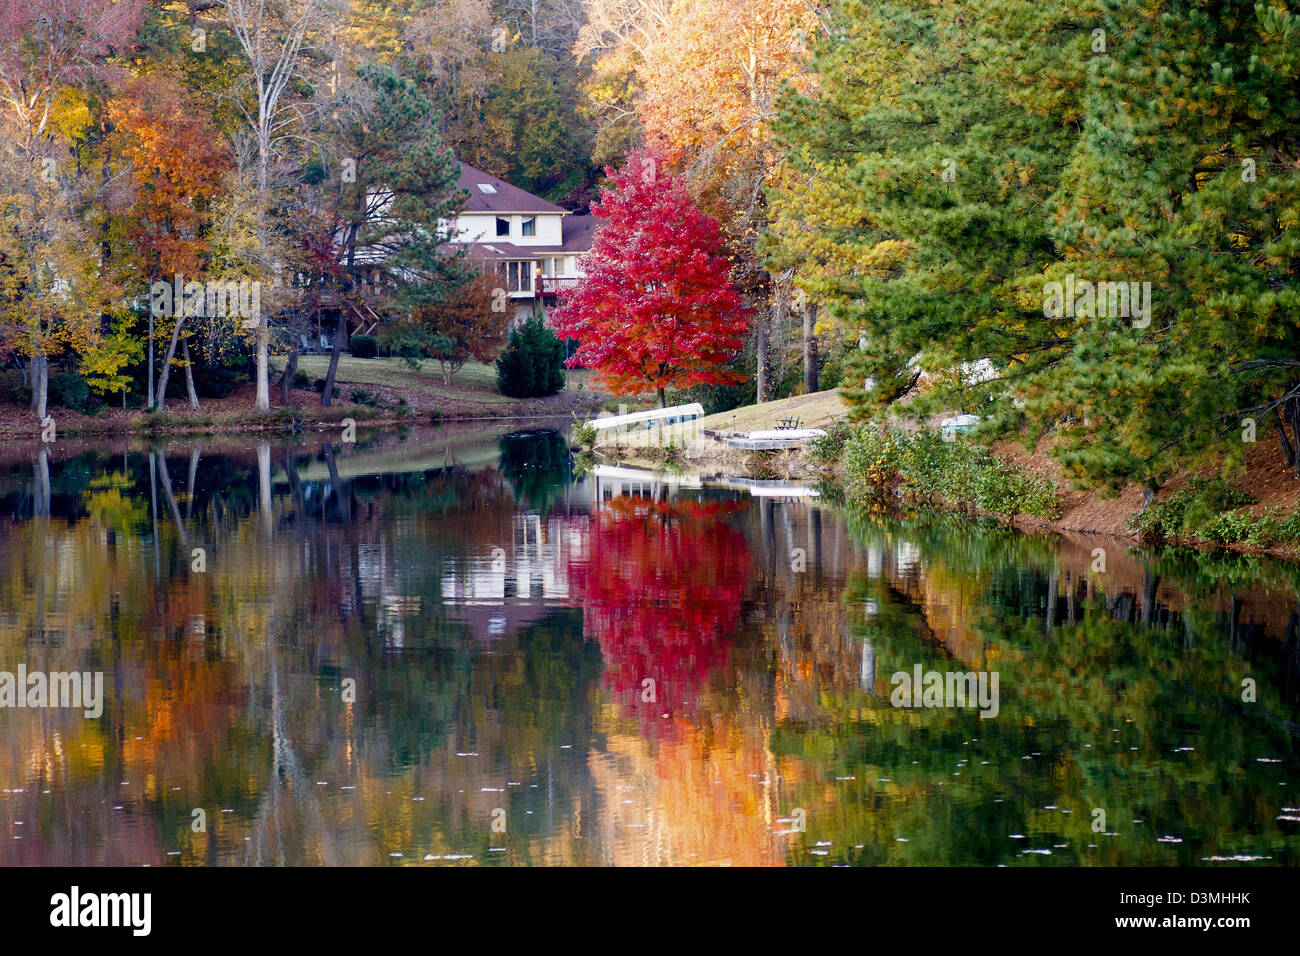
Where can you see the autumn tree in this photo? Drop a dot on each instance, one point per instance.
(51, 289)
(471, 324)
(505, 88)
(177, 166)
(274, 41)
(702, 78)
(619, 38)
(534, 139)
(657, 309)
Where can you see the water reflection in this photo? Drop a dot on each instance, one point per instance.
(356, 654)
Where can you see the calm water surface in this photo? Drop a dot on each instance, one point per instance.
(440, 647)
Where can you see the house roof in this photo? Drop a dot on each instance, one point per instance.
(578, 232)
(492, 250)
(487, 193)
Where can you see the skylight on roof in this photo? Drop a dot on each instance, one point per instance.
(487, 188)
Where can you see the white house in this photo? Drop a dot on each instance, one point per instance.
(535, 246)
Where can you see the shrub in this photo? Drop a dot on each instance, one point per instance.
(302, 380)
(829, 449)
(364, 346)
(363, 396)
(887, 462)
(1193, 510)
(532, 363)
(69, 390)
(871, 462)
(583, 434)
(13, 389)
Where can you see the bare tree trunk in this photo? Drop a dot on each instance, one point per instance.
(760, 359)
(40, 384)
(1288, 450)
(189, 375)
(286, 380)
(166, 371)
(1293, 413)
(263, 388)
(340, 332)
(149, 370)
(809, 349)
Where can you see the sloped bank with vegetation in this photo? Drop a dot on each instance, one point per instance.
(885, 466)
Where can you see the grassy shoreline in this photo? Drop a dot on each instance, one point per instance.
(371, 392)
(1026, 490)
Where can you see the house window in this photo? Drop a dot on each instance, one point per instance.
(530, 226)
(519, 276)
(503, 226)
(548, 267)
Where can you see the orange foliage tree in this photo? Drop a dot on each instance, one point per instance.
(178, 165)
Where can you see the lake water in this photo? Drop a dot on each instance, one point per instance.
(439, 647)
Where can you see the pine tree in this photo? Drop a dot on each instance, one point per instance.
(393, 189)
(1184, 176)
(915, 192)
(532, 364)
(955, 175)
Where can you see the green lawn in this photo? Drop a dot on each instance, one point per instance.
(395, 373)
(476, 381)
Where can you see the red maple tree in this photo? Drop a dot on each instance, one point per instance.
(657, 308)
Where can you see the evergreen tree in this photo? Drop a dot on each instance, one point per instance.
(955, 175)
(532, 364)
(393, 187)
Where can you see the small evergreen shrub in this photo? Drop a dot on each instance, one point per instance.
(583, 434)
(364, 346)
(829, 449)
(532, 363)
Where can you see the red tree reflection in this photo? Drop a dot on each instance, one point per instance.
(661, 592)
